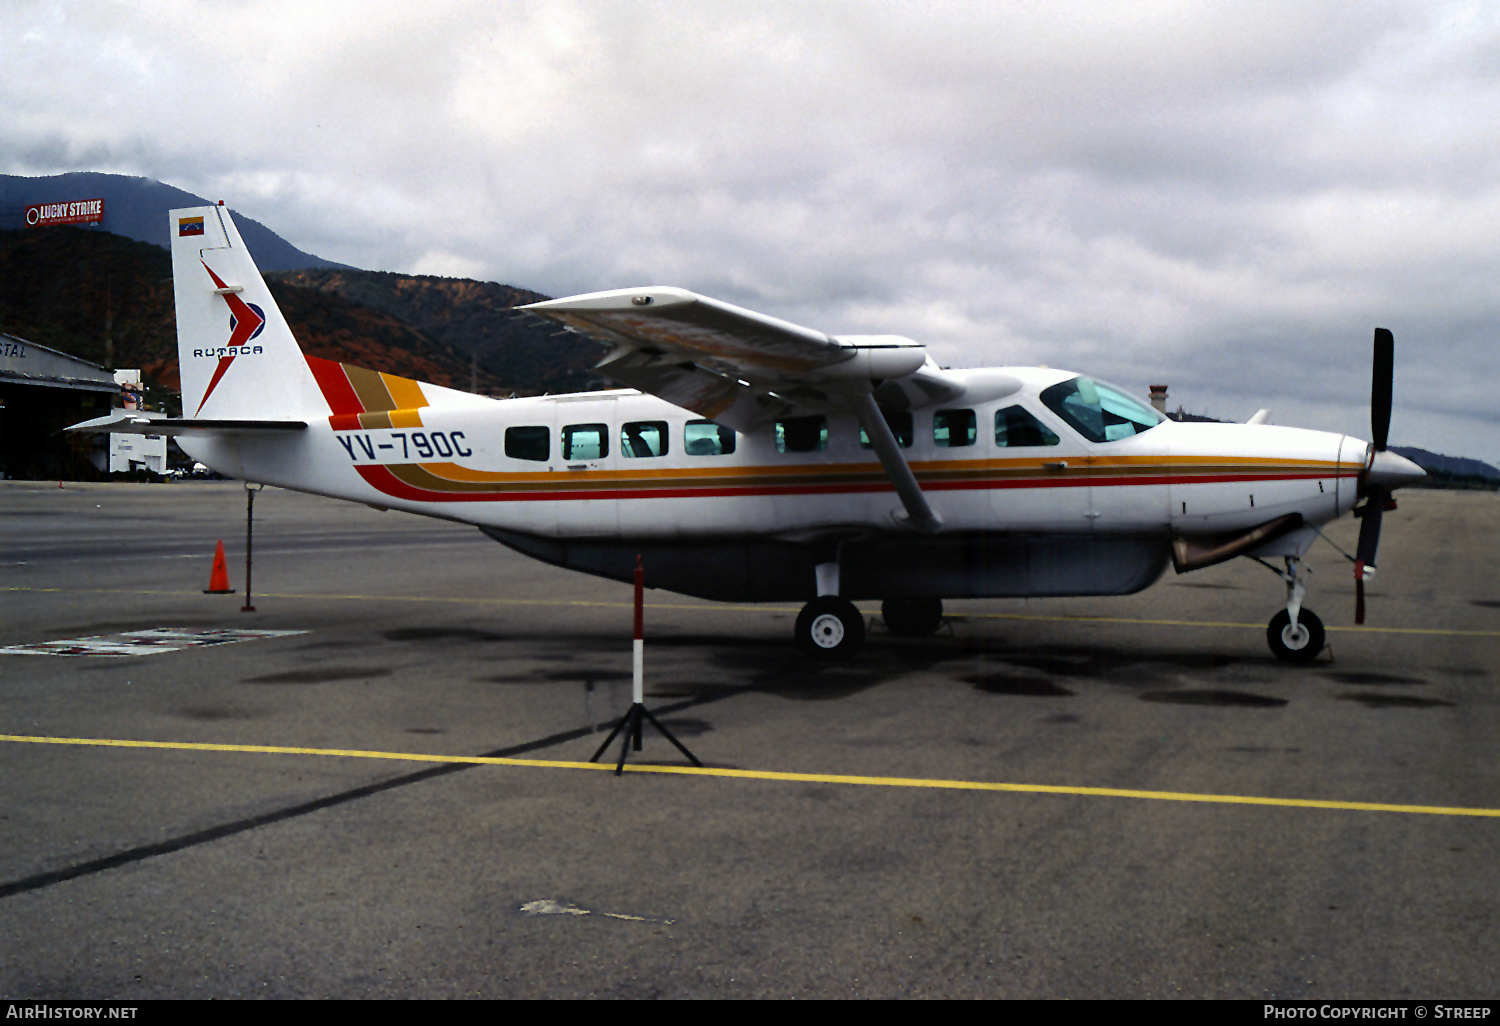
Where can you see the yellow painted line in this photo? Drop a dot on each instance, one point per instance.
(805, 778)
(740, 607)
(1213, 623)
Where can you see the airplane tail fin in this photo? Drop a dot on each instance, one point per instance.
(238, 358)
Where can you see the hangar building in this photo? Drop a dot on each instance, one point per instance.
(43, 391)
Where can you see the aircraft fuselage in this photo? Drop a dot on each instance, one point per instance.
(1029, 506)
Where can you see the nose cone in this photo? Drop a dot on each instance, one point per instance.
(1392, 471)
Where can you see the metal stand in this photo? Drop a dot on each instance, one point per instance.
(249, 538)
(631, 723)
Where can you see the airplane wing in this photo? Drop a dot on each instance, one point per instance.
(740, 368)
(743, 369)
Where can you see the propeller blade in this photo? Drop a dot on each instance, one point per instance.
(1369, 527)
(1380, 387)
(1368, 547)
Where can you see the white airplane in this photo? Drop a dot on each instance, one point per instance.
(754, 460)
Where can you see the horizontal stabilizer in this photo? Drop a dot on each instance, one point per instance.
(124, 422)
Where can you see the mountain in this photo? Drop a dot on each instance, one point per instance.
(137, 209)
(108, 299)
(93, 295)
(1447, 471)
(476, 317)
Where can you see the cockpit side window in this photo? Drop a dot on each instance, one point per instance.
(1100, 412)
(1016, 427)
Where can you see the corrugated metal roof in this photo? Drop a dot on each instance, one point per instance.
(24, 362)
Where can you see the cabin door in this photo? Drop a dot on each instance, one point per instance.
(588, 443)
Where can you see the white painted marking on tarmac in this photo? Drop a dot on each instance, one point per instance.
(139, 643)
(548, 907)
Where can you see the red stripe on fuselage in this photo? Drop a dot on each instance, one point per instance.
(380, 478)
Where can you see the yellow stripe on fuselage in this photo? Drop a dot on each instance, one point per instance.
(406, 394)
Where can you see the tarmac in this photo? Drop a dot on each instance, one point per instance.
(383, 788)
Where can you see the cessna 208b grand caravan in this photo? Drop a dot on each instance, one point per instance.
(754, 460)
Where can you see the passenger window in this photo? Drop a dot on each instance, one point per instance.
(1014, 427)
(528, 443)
(585, 442)
(954, 428)
(644, 438)
(899, 421)
(802, 434)
(705, 438)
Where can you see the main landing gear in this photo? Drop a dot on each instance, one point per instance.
(1295, 634)
(830, 627)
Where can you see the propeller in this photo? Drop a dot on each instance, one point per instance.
(1376, 493)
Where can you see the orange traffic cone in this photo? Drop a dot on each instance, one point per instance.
(218, 581)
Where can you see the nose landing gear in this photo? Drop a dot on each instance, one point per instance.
(1295, 634)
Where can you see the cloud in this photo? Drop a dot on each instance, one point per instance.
(1228, 197)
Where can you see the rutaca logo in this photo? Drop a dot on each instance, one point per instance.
(246, 320)
(257, 315)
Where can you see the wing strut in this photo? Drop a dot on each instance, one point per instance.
(919, 514)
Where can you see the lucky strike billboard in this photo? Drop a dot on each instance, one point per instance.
(68, 212)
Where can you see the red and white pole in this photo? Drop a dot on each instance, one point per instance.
(638, 678)
(631, 723)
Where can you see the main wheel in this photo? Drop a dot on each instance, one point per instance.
(830, 628)
(1295, 645)
(912, 617)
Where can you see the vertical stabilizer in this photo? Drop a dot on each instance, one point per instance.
(237, 356)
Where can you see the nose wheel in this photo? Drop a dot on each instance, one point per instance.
(830, 628)
(1298, 642)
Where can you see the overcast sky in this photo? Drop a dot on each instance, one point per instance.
(1224, 197)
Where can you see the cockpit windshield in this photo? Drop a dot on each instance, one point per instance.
(1099, 412)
